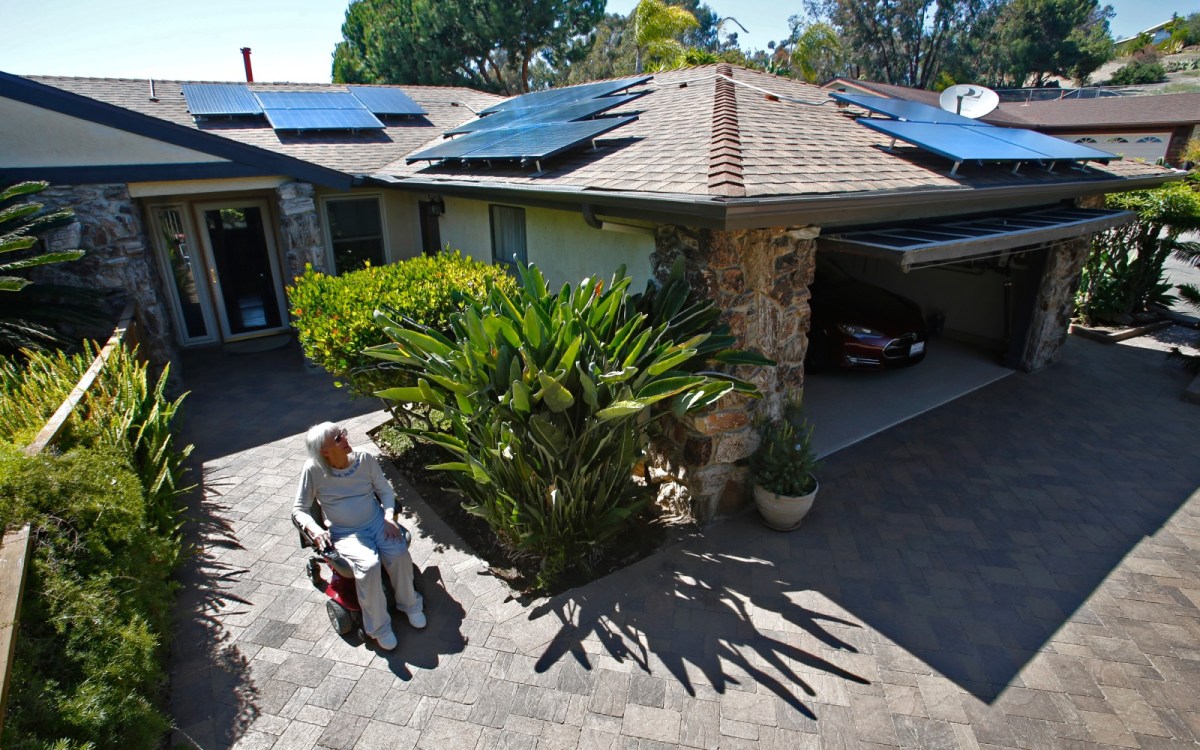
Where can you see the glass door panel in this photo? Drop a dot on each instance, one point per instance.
(191, 305)
(244, 270)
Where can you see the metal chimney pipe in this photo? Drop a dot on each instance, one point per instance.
(246, 62)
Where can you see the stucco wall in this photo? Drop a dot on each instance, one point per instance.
(34, 137)
(560, 243)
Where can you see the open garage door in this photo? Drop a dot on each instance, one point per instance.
(914, 245)
(975, 280)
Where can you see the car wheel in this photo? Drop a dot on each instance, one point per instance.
(339, 617)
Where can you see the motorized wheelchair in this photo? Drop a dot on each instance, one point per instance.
(345, 614)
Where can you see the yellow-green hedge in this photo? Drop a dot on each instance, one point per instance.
(334, 314)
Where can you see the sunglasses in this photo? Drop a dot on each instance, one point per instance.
(339, 437)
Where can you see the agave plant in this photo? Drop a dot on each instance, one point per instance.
(550, 399)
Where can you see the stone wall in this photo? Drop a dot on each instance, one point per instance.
(759, 279)
(300, 228)
(1055, 303)
(119, 259)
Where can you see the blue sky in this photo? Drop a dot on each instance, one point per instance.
(292, 40)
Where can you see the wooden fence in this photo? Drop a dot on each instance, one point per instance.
(17, 544)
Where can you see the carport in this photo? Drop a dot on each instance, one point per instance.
(979, 280)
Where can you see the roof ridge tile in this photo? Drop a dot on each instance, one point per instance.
(725, 148)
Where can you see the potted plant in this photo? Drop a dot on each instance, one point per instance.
(783, 469)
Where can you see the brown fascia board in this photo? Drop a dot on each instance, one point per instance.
(736, 213)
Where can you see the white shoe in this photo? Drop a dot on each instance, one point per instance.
(387, 641)
(416, 619)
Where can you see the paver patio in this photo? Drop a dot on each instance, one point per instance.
(1019, 568)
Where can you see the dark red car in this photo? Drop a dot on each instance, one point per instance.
(856, 325)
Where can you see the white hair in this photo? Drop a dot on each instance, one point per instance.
(318, 435)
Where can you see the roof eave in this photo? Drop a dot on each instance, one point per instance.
(69, 103)
(828, 211)
(864, 208)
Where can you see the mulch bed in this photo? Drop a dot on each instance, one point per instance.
(650, 531)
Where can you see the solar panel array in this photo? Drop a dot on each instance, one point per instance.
(536, 126)
(962, 139)
(220, 99)
(301, 110)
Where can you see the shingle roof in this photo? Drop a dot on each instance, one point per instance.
(700, 134)
(358, 153)
(713, 133)
(1166, 110)
(1111, 111)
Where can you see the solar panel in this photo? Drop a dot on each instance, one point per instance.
(956, 142)
(539, 99)
(308, 100)
(537, 141)
(902, 109)
(220, 99)
(545, 140)
(462, 145)
(386, 101)
(964, 143)
(560, 113)
(1051, 147)
(322, 119)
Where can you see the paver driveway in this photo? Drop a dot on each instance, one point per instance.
(1020, 568)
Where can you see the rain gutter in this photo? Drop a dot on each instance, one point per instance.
(826, 211)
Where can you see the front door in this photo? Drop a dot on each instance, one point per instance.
(242, 267)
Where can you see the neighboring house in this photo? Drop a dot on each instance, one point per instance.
(1159, 33)
(743, 175)
(1149, 127)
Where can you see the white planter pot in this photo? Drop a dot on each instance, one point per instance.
(782, 512)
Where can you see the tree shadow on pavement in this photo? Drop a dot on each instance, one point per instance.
(959, 544)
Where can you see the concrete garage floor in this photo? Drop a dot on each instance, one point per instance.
(846, 407)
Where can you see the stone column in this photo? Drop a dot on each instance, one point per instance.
(1056, 297)
(1055, 303)
(119, 259)
(759, 279)
(300, 228)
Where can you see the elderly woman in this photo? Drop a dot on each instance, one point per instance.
(345, 483)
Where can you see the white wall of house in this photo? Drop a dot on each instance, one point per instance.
(1149, 146)
(970, 296)
(34, 137)
(560, 243)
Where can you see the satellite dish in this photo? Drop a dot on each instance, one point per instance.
(969, 100)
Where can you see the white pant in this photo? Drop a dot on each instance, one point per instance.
(364, 548)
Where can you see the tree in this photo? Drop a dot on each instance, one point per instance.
(1045, 38)
(815, 51)
(27, 315)
(609, 51)
(487, 44)
(657, 28)
(901, 42)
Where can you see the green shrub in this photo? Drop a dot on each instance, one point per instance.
(89, 656)
(333, 314)
(105, 519)
(551, 398)
(1123, 273)
(1138, 72)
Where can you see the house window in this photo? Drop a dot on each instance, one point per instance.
(508, 235)
(1117, 139)
(1085, 139)
(355, 232)
(1150, 139)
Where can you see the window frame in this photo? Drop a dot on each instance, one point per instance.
(327, 231)
(523, 256)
